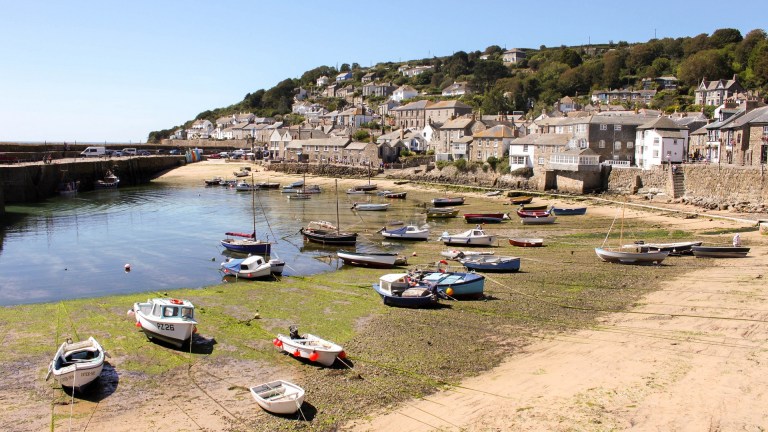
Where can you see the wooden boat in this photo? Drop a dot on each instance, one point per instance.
(674, 249)
(532, 213)
(720, 251)
(247, 243)
(545, 220)
(369, 259)
(356, 192)
(252, 267)
(409, 232)
(77, 364)
(110, 181)
(447, 202)
(278, 397)
(395, 195)
(402, 182)
(473, 237)
(629, 257)
(456, 254)
(310, 347)
(445, 212)
(533, 207)
(167, 319)
(521, 199)
(526, 242)
(216, 181)
(455, 284)
(498, 264)
(624, 255)
(399, 289)
(572, 211)
(366, 187)
(370, 207)
(69, 188)
(476, 218)
(326, 233)
(493, 193)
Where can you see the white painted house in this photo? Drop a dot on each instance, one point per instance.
(403, 93)
(659, 142)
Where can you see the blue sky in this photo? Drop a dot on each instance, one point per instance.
(94, 71)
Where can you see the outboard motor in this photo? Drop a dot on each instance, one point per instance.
(294, 331)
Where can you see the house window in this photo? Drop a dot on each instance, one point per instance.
(541, 161)
(617, 145)
(601, 144)
(656, 140)
(630, 144)
(518, 160)
(765, 130)
(617, 127)
(326, 148)
(525, 148)
(655, 153)
(603, 127)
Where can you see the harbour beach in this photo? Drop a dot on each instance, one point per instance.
(673, 347)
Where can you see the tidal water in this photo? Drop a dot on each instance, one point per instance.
(77, 247)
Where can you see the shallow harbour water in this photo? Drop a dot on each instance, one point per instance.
(75, 247)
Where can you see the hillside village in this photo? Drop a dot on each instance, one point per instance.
(361, 116)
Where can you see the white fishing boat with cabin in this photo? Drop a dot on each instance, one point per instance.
(167, 319)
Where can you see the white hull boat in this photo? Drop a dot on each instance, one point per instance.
(278, 397)
(473, 237)
(541, 220)
(409, 232)
(77, 364)
(310, 347)
(364, 259)
(370, 207)
(167, 319)
(252, 267)
(631, 257)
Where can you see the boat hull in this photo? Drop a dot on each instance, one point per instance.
(407, 302)
(439, 213)
(76, 365)
(375, 260)
(492, 264)
(538, 220)
(404, 234)
(174, 331)
(447, 202)
(254, 247)
(521, 200)
(569, 211)
(469, 241)
(674, 249)
(638, 258)
(719, 251)
(526, 242)
(326, 351)
(462, 284)
(329, 237)
(278, 397)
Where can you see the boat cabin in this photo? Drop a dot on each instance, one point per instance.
(394, 283)
(169, 308)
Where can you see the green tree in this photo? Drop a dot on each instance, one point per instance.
(709, 64)
(495, 102)
(568, 56)
(361, 135)
(695, 44)
(486, 73)
(344, 67)
(745, 47)
(758, 63)
(613, 65)
(457, 64)
(722, 37)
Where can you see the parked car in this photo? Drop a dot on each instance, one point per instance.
(224, 155)
(116, 153)
(213, 156)
(143, 153)
(130, 151)
(174, 152)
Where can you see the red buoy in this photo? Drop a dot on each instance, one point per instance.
(297, 353)
(138, 324)
(342, 355)
(314, 356)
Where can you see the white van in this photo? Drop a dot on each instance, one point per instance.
(131, 151)
(96, 151)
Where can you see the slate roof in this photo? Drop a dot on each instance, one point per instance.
(448, 104)
(548, 139)
(662, 123)
(499, 131)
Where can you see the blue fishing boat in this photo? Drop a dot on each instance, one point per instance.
(490, 263)
(400, 290)
(572, 211)
(455, 284)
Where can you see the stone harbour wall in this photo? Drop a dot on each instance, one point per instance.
(634, 180)
(741, 188)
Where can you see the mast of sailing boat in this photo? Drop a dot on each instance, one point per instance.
(337, 206)
(253, 205)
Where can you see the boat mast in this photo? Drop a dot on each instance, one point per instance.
(621, 230)
(337, 205)
(253, 205)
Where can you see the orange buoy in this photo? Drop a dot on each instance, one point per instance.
(297, 353)
(449, 291)
(342, 355)
(138, 324)
(314, 356)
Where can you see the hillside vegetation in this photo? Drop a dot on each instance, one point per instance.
(545, 76)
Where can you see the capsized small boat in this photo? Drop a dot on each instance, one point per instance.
(370, 206)
(447, 202)
(526, 242)
(720, 251)
(401, 290)
(252, 267)
(569, 211)
(473, 237)
(441, 213)
(309, 346)
(278, 397)
(497, 264)
(77, 364)
(370, 259)
(408, 232)
(167, 319)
